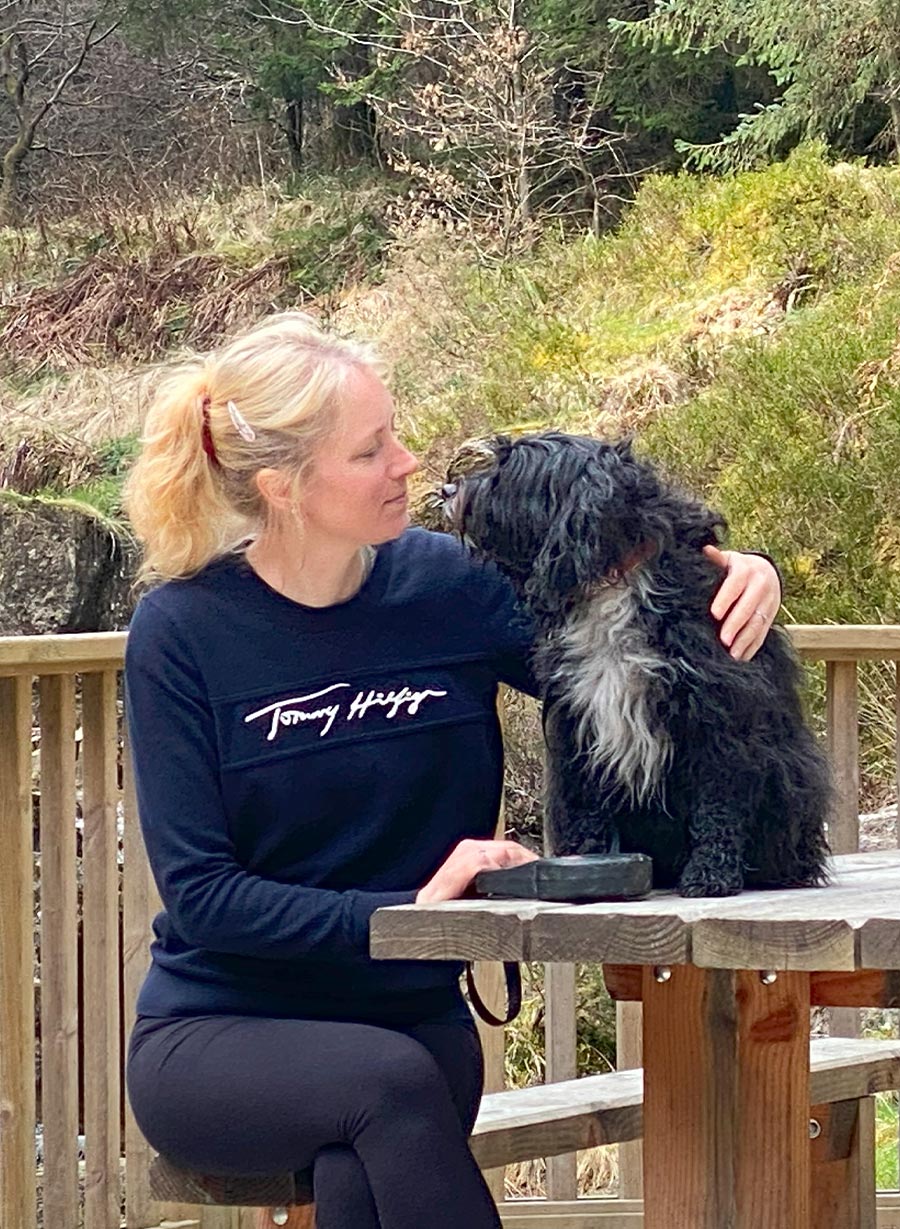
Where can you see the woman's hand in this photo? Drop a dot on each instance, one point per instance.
(747, 600)
(469, 857)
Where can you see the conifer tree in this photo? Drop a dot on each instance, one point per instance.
(828, 59)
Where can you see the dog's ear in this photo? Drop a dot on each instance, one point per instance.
(662, 513)
(579, 546)
(683, 518)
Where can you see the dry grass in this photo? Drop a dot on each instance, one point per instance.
(108, 309)
(639, 391)
(54, 436)
(44, 458)
(597, 1171)
(91, 405)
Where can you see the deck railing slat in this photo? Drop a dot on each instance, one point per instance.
(59, 952)
(897, 751)
(18, 1200)
(630, 1054)
(842, 711)
(561, 1064)
(101, 951)
(842, 718)
(140, 902)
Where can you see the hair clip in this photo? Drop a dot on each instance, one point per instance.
(243, 428)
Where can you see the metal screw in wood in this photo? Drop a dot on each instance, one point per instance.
(815, 1128)
(279, 1216)
(662, 973)
(768, 976)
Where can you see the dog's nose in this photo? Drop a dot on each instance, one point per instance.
(448, 490)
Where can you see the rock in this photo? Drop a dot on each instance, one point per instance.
(62, 569)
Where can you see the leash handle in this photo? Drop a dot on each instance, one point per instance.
(513, 995)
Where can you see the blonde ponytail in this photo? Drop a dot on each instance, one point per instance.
(261, 401)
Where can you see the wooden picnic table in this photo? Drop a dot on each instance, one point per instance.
(726, 987)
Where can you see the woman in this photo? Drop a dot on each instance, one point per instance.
(311, 702)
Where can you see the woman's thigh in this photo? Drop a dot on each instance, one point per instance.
(456, 1048)
(249, 1095)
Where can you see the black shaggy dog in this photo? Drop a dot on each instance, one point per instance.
(658, 740)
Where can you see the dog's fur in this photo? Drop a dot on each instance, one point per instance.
(658, 740)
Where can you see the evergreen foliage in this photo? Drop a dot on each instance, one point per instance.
(827, 60)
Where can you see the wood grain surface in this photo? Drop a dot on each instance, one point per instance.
(852, 923)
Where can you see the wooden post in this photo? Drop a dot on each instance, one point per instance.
(101, 951)
(492, 988)
(18, 1196)
(630, 1054)
(139, 903)
(842, 709)
(59, 952)
(491, 982)
(561, 1063)
(726, 1100)
(842, 706)
(897, 751)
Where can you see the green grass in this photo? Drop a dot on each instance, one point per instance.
(101, 494)
(886, 1124)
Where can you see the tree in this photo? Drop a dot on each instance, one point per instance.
(827, 58)
(42, 49)
(468, 103)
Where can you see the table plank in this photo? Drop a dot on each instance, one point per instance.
(852, 923)
(454, 930)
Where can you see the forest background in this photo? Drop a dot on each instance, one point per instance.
(677, 219)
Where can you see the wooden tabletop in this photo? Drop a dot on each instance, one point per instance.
(853, 923)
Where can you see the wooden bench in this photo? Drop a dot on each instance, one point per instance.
(553, 1119)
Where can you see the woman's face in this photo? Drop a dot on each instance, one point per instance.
(356, 491)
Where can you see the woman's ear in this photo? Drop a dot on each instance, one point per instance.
(275, 488)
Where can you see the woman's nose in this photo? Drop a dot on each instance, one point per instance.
(407, 462)
(448, 490)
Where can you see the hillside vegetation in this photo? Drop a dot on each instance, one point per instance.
(745, 328)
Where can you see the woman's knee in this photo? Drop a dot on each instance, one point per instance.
(402, 1079)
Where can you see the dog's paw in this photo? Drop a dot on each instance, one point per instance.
(698, 879)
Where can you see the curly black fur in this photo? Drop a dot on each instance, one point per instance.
(658, 740)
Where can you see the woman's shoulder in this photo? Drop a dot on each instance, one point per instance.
(436, 558)
(443, 566)
(184, 601)
(428, 544)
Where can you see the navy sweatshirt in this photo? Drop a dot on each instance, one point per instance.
(298, 768)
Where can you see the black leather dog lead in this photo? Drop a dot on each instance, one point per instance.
(513, 994)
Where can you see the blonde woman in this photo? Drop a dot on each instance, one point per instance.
(311, 700)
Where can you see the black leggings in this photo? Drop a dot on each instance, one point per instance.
(382, 1115)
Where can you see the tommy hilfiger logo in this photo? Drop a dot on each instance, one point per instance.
(285, 713)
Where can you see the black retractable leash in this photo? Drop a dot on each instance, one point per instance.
(577, 879)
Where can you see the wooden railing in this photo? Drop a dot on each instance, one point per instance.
(61, 726)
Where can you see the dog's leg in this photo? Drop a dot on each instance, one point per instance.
(579, 817)
(716, 831)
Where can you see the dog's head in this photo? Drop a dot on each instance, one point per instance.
(560, 512)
